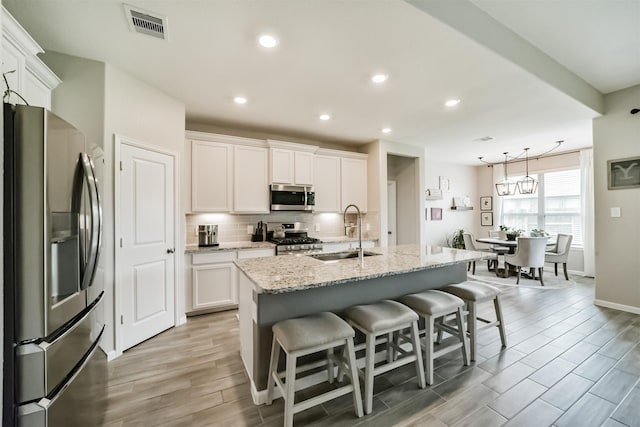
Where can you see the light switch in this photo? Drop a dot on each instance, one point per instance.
(615, 212)
(317, 227)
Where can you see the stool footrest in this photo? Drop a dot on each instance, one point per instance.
(325, 397)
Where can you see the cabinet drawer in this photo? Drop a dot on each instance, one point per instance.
(211, 257)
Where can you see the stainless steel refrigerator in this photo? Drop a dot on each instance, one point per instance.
(55, 373)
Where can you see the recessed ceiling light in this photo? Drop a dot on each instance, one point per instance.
(324, 117)
(379, 78)
(452, 102)
(386, 130)
(240, 100)
(268, 41)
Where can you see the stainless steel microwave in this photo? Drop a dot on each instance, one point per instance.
(292, 198)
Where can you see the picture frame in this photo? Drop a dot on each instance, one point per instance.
(486, 203)
(444, 183)
(486, 219)
(436, 214)
(623, 173)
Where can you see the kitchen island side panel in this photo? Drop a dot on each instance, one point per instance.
(272, 308)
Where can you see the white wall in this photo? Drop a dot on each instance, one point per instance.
(101, 101)
(463, 183)
(377, 184)
(402, 170)
(617, 136)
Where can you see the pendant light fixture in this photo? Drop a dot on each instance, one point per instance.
(527, 185)
(506, 187)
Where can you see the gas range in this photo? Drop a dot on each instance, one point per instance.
(296, 245)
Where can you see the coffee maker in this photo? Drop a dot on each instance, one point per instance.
(208, 235)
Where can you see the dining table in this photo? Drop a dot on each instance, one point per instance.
(504, 246)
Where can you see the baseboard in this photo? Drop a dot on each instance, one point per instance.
(616, 306)
(182, 320)
(113, 355)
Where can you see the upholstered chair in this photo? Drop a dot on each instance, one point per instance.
(560, 253)
(530, 253)
(470, 246)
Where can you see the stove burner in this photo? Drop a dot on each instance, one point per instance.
(297, 244)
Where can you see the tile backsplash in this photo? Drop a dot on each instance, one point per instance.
(233, 228)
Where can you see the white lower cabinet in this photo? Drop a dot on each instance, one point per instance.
(212, 279)
(213, 284)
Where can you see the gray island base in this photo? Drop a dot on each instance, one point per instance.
(284, 287)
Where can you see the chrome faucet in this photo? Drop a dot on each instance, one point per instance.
(344, 218)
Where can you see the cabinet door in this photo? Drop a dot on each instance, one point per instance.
(303, 168)
(354, 183)
(282, 166)
(251, 186)
(211, 174)
(327, 183)
(214, 286)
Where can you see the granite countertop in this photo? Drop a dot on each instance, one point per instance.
(228, 246)
(341, 239)
(288, 273)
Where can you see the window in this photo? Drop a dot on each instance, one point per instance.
(555, 208)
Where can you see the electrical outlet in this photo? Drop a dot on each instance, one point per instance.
(317, 227)
(368, 226)
(195, 230)
(249, 229)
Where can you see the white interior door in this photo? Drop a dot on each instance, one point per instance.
(147, 261)
(391, 213)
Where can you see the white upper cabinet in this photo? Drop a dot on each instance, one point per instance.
(251, 179)
(211, 176)
(303, 168)
(29, 76)
(327, 183)
(354, 182)
(291, 164)
(228, 174)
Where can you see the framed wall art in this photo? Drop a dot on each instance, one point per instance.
(436, 214)
(623, 173)
(486, 219)
(486, 203)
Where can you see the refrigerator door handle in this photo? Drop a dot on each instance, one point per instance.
(95, 209)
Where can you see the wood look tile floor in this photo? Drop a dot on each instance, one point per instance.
(568, 363)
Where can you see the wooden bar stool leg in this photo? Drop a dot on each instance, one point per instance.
(390, 350)
(415, 339)
(273, 369)
(472, 325)
(428, 348)
(368, 372)
(353, 369)
(290, 388)
(463, 336)
(330, 364)
(498, 307)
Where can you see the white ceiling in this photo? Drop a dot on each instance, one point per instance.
(328, 51)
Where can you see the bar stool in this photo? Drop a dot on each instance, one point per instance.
(474, 293)
(306, 335)
(383, 319)
(432, 305)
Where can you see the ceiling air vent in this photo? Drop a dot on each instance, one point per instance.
(145, 22)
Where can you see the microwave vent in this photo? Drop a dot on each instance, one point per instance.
(145, 22)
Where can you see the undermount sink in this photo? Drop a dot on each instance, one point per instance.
(335, 256)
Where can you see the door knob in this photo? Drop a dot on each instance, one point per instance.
(171, 250)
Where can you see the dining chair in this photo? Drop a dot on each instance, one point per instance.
(529, 253)
(470, 246)
(560, 253)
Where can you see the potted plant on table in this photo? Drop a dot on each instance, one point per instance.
(536, 232)
(514, 233)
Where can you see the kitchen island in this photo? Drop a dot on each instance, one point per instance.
(283, 287)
